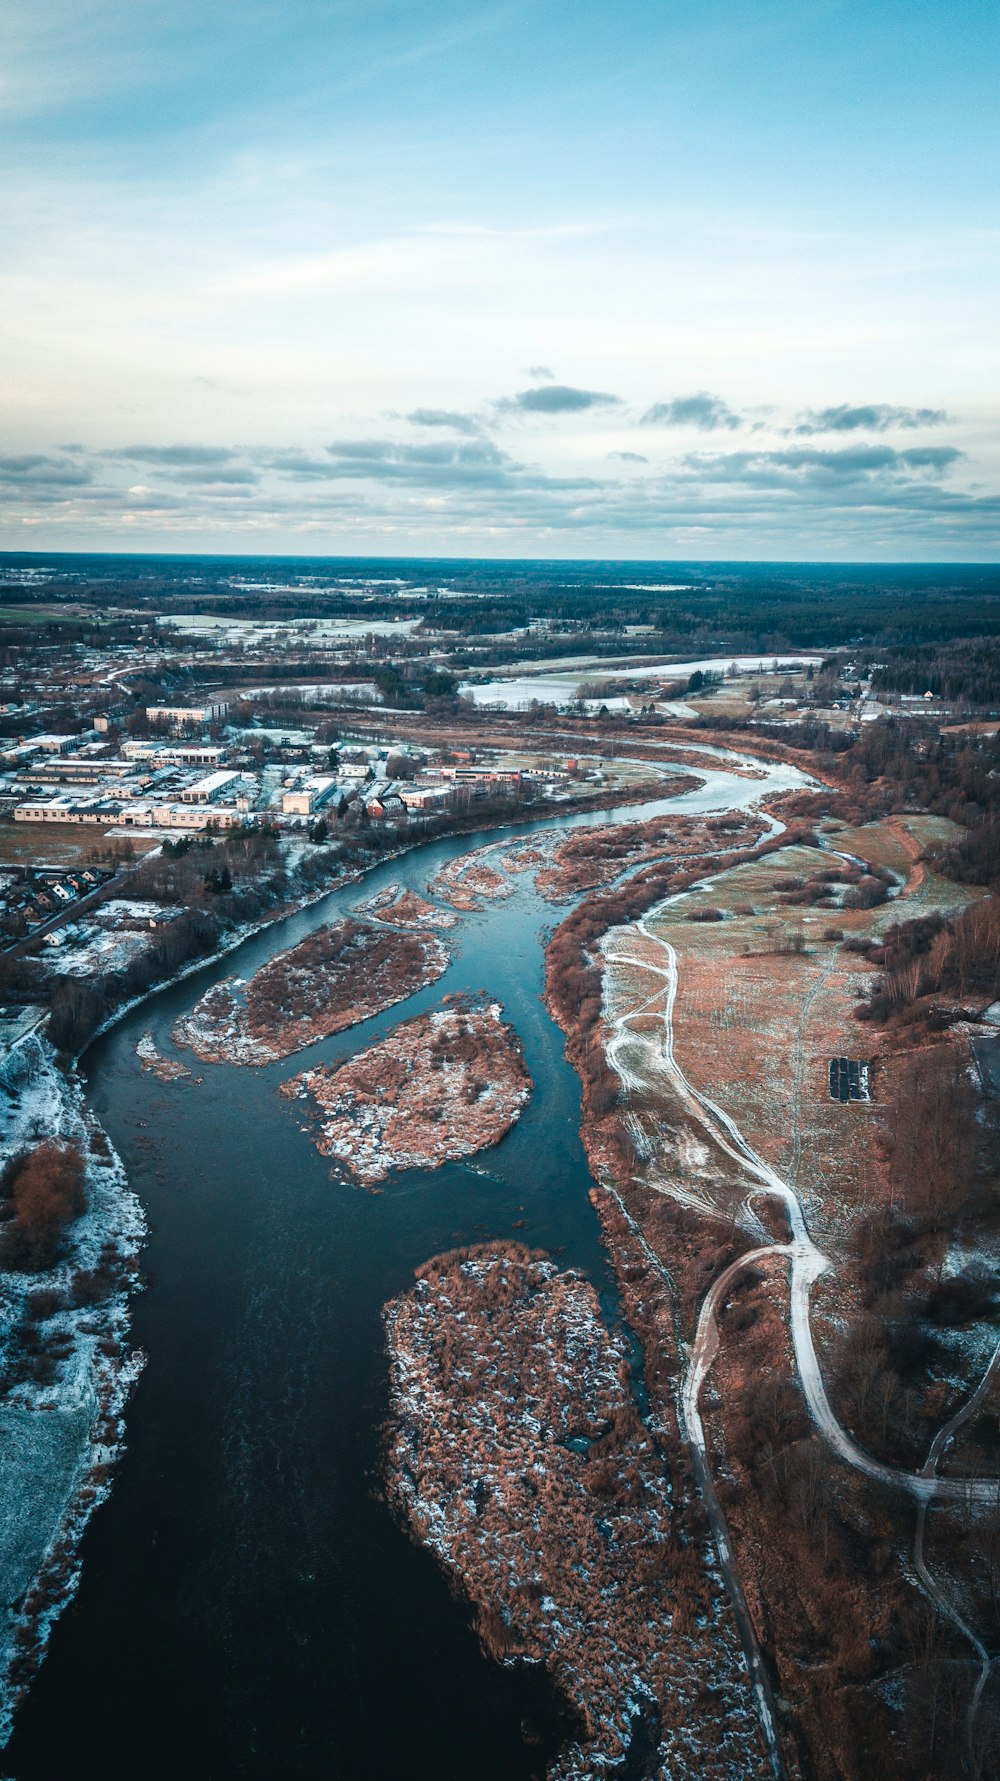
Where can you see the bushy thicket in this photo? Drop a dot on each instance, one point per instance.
(935, 955)
(41, 1192)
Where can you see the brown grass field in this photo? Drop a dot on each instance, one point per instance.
(764, 999)
(60, 844)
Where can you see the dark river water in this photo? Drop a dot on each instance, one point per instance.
(249, 1607)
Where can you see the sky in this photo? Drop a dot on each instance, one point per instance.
(620, 278)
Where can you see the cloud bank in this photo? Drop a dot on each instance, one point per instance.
(701, 410)
(870, 417)
(559, 398)
(442, 478)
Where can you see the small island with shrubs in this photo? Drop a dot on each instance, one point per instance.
(438, 1087)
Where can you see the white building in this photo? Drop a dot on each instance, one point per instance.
(55, 744)
(174, 754)
(196, 816)
(180, 716)
(67, 809)
(209, 789)
(15, 753)
(312, 794)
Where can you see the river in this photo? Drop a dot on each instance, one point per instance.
(248, 1605)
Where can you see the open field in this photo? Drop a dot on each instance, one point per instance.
(764, 1001)
(897, 841)
(29, 615)
(61, 844)
(723, 1008)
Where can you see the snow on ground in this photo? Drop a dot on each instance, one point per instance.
(58, 1438)
(440, 1086)
(97, 953)
(153, 1062)
(108, 939)
(126, 910)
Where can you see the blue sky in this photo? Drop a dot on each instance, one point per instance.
(543, 279)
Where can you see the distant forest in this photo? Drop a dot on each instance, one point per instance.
(967, 669)
(690, 606)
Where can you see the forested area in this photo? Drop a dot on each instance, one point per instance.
(966, 670)
(933, 955)
(770, 607)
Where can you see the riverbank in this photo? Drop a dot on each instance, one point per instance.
(513, 815)
(829, 1367)
(125, 1094)
(68, 1368)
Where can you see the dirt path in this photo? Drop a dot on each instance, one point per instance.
(806, 1263)
(912, 848)
(933, 1589)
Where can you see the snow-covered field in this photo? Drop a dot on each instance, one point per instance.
(99, 950)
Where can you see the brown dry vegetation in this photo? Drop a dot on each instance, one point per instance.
(587, 858)
(824, 1558)
(409, 910)
(573, 981)
(440, 1086)
(41, 1192)
(153, 1063)
(933, 956)
(332, 979)
(517, 1454)
(469, 881)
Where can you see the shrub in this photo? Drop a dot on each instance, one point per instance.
(868, 893)
(961, 1299)
(45, 1188)
(43, 1303)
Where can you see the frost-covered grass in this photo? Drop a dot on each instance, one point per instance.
(754, 1027)
(61, 1420)
(335, 977)
(100, 950)
(60, 844)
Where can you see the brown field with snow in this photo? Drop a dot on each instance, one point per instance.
(765, 991)
(518, 1456)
